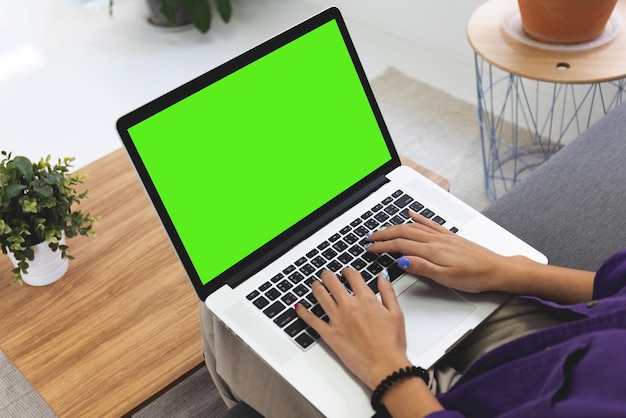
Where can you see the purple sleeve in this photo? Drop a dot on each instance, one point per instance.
(611, 277)
(445, 414)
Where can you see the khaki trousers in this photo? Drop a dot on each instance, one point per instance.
(240, 375)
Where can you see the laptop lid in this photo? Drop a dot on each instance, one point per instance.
(248, 159)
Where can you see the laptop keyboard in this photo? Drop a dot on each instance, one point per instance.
(276, 297)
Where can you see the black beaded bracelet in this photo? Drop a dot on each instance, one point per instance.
(387, 382)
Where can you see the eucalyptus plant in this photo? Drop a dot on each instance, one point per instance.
(36, 206)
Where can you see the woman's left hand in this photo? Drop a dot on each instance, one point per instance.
(432, 251)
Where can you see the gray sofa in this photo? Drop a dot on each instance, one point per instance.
(572, 208)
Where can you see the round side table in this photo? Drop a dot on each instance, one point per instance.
(533, 97)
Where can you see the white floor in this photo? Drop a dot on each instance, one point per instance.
(68, 70)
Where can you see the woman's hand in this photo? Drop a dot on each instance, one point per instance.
(369, 338)
(367, 335)
(432, 251)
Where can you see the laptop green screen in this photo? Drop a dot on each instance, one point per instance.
(250, 155)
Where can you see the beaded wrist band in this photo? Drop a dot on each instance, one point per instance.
(387, 382)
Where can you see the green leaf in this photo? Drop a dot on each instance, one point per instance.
(45, 191)
(23, 265)
(168, 10)
(18, 279)
(29, 206)
(225, 10)
(13, 190)
(49, 202)
(54, 179)
(200, 13)
(4, 228)
(25, 167)
(29, 253)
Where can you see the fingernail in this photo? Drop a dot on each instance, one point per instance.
(404, 263)
(370, 233)
(296, 306)
(385, 274)
(368, 244)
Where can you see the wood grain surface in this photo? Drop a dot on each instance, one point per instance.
(122, 324)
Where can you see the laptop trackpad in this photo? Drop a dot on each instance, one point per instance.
(430, 312)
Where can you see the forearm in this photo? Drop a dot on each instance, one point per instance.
(557, 284)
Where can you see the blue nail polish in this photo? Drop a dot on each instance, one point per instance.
(404, 263)
(368, 244)
(385, 274)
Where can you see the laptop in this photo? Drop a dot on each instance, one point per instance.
(274, 166)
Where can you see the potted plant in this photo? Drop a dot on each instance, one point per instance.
(36, 216)
(565, 21)
(171, 13)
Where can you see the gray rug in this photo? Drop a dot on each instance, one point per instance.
(195, 396)
(17, 396)
(428, 126)
(435, 130)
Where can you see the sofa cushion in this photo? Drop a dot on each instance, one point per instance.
(573, 207)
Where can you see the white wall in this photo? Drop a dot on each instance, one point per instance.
(437, 30)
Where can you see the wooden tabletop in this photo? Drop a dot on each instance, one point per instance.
(491, 42)
(122, 325)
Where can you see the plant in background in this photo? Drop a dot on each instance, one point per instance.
(179, 12)
(36, 206)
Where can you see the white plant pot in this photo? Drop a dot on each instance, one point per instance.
(46, 268)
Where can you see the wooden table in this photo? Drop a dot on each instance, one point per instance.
(122, 325)
(534, 98)
(558, 65)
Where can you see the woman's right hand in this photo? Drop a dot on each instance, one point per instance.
(368, 336)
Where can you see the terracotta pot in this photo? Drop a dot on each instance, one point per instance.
(565, 21)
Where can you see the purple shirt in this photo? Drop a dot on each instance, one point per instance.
(575, 369)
